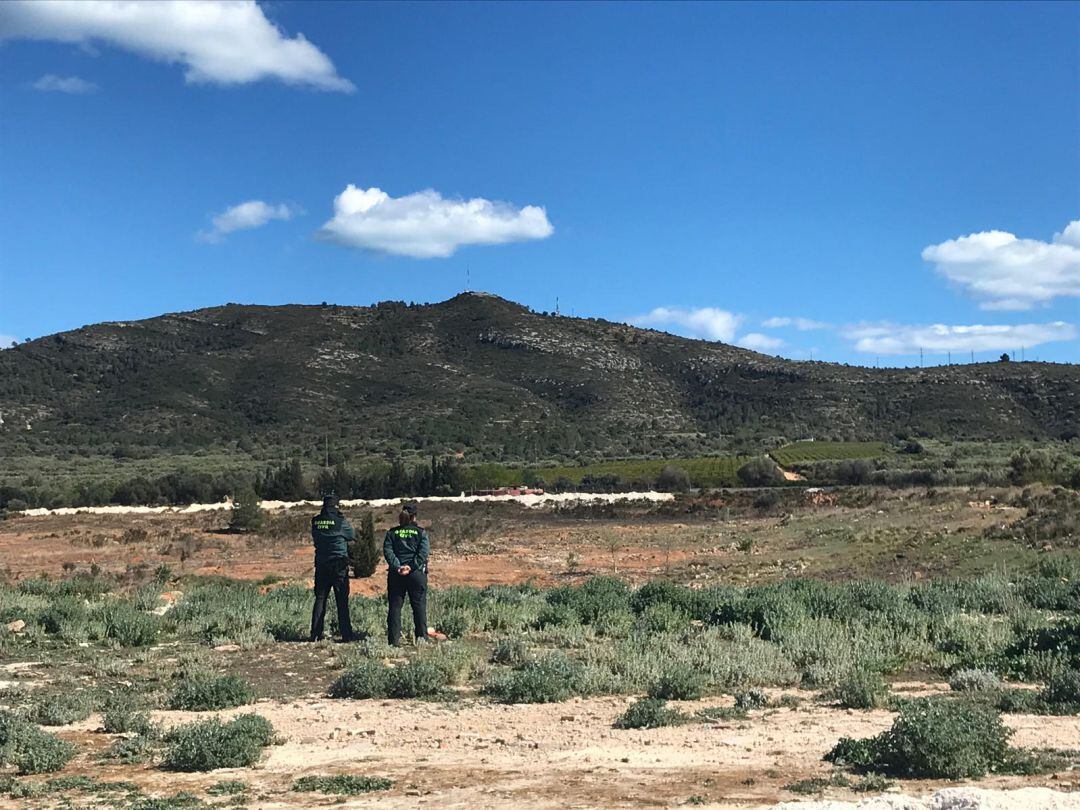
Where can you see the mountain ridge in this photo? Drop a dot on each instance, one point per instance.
(484, 375)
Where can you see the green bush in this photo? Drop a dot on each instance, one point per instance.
(247, 514)
(455, 624)
(975, 680)
(205, 692)
(342, 784)
(510, 651)
(662, 618)
(549, 679)
(932, 739)
(122, 715)
(679, 682)
(61, 708)
(648, 713)
(364, 679)
(210, 744)
(862, 689)
(227, 787)
(751, 699)
(29, 749)
(760, 472)
(1061, 695)
(1018, 701)
(416, 678)
(129, 625)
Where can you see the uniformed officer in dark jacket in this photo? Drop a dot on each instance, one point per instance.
(331, 533)
(406, 548)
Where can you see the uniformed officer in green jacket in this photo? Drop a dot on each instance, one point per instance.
(406, 548)
(331, 533)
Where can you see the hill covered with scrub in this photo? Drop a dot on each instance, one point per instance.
(481, 376)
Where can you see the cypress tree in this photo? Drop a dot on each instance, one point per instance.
(365, 552)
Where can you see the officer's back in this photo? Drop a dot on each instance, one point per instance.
(330, 533)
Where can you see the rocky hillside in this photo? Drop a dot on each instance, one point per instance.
(481, 375)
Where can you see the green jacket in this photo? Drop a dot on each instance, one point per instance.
(406, 545)
(331, 533)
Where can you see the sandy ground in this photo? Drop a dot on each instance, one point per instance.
(478, 754)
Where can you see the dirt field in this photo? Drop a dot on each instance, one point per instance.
(905, 534)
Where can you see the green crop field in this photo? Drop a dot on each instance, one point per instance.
(801, 452)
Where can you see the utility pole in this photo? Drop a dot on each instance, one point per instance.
(950, 357)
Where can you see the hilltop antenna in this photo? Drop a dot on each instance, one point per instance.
(920, 357)
(468, 279)
(972, 355)
(950, 357)
(1022, 350)
(556, 306)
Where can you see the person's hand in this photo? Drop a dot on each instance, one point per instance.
(404, 570)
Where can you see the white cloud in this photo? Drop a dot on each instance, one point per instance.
(51, 83)
(802, 324)
(887, 338)
(424, 225)
(760, 342)
(707, 323)
(1007, 273)
(217, 41)
(242, 217)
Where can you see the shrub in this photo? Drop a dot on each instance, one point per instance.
(680, 682)
(29, 749)
(247, 513)
(61, 708)
(546, 680)
(975, 680)
(129, 625)
(342, 784)
(366, 678)
(133, 750)
(416, 678)
(862, 689)
(662, 618)
(365, 553)
(1018, 701)
(648, 713)
(751, 699)
(210, 744)
(1061, 695)
(455, 624)
(932, 739)
(122, 715)
(227, 787)
(760, 472)
(204, 692)
(510, 651)
(673, 479)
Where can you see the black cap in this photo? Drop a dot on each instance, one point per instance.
(410, 508)
(330, 502)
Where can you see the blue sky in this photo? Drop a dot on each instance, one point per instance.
(853, 180)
